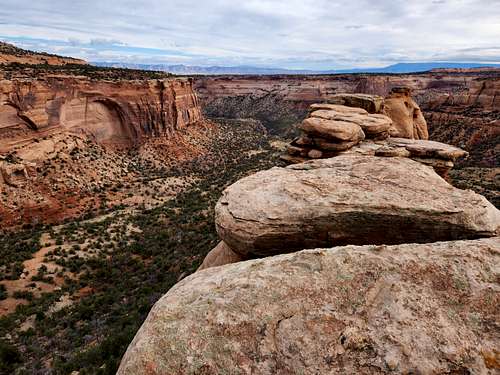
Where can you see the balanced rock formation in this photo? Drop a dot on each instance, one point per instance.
(404, 309)
(348, 199)
(407, 118)
(333, 128)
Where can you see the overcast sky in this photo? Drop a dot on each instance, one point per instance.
(309, 34)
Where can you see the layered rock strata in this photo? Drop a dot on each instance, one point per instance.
(332, 128)
(426, 309)
(460, 107)
(116, 114)
(438, 155)
(335, 129)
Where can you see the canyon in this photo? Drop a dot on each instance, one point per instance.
(115, 185)
(461, 107)
(45, 121)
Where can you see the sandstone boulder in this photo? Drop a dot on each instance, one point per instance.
(348, 199)
(13, 174)
(331, 129)
(219, 256)
(337, 108)
(407, 118)
(370, 103)
(405, 309)
(372, 124)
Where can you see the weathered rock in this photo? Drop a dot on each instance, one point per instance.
(219, 256)
(293, 159)
(300, 146)
(297, 151)
(393, 152)
(421, 309)
(315, 154)
(348, 199)
(372, 124)
(407, 118)
(323, 144)
(429, 149)
(303, 140)
(337, 108)
(121, 113)
(331, 129)
(370, 103)
(13, 174)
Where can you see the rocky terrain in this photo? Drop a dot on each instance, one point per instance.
(371, 125)
(114, 187)
(54, 126)
(356, 310)
(427, 304)
(461, 107)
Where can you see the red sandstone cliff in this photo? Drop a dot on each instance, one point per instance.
(67, 143)
(119, 113)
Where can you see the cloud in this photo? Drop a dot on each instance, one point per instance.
(319, 34)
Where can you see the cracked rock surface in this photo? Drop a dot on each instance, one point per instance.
(413, 308)
(349, 199)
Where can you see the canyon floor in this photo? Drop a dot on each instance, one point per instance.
(75, 309)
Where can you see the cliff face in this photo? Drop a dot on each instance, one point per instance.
(461, 108)
(114, 114)
(67, 136)
(433, 89)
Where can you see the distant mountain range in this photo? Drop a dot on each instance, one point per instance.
(251, 70)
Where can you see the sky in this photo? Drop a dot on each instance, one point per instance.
(292, 34)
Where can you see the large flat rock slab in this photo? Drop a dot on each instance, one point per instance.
(348, 199)
(404, 309)
(428, 149)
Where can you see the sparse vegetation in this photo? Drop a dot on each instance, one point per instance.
(115, 268)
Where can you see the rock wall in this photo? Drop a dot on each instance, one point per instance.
(433, 90)
(114, 114)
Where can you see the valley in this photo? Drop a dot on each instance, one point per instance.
(109, 179)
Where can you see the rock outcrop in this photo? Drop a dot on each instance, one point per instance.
(407, 118)
(335, 129)
(461, 108)
(370, 103)
(348, 199)
(427, 309)
(68, 135)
